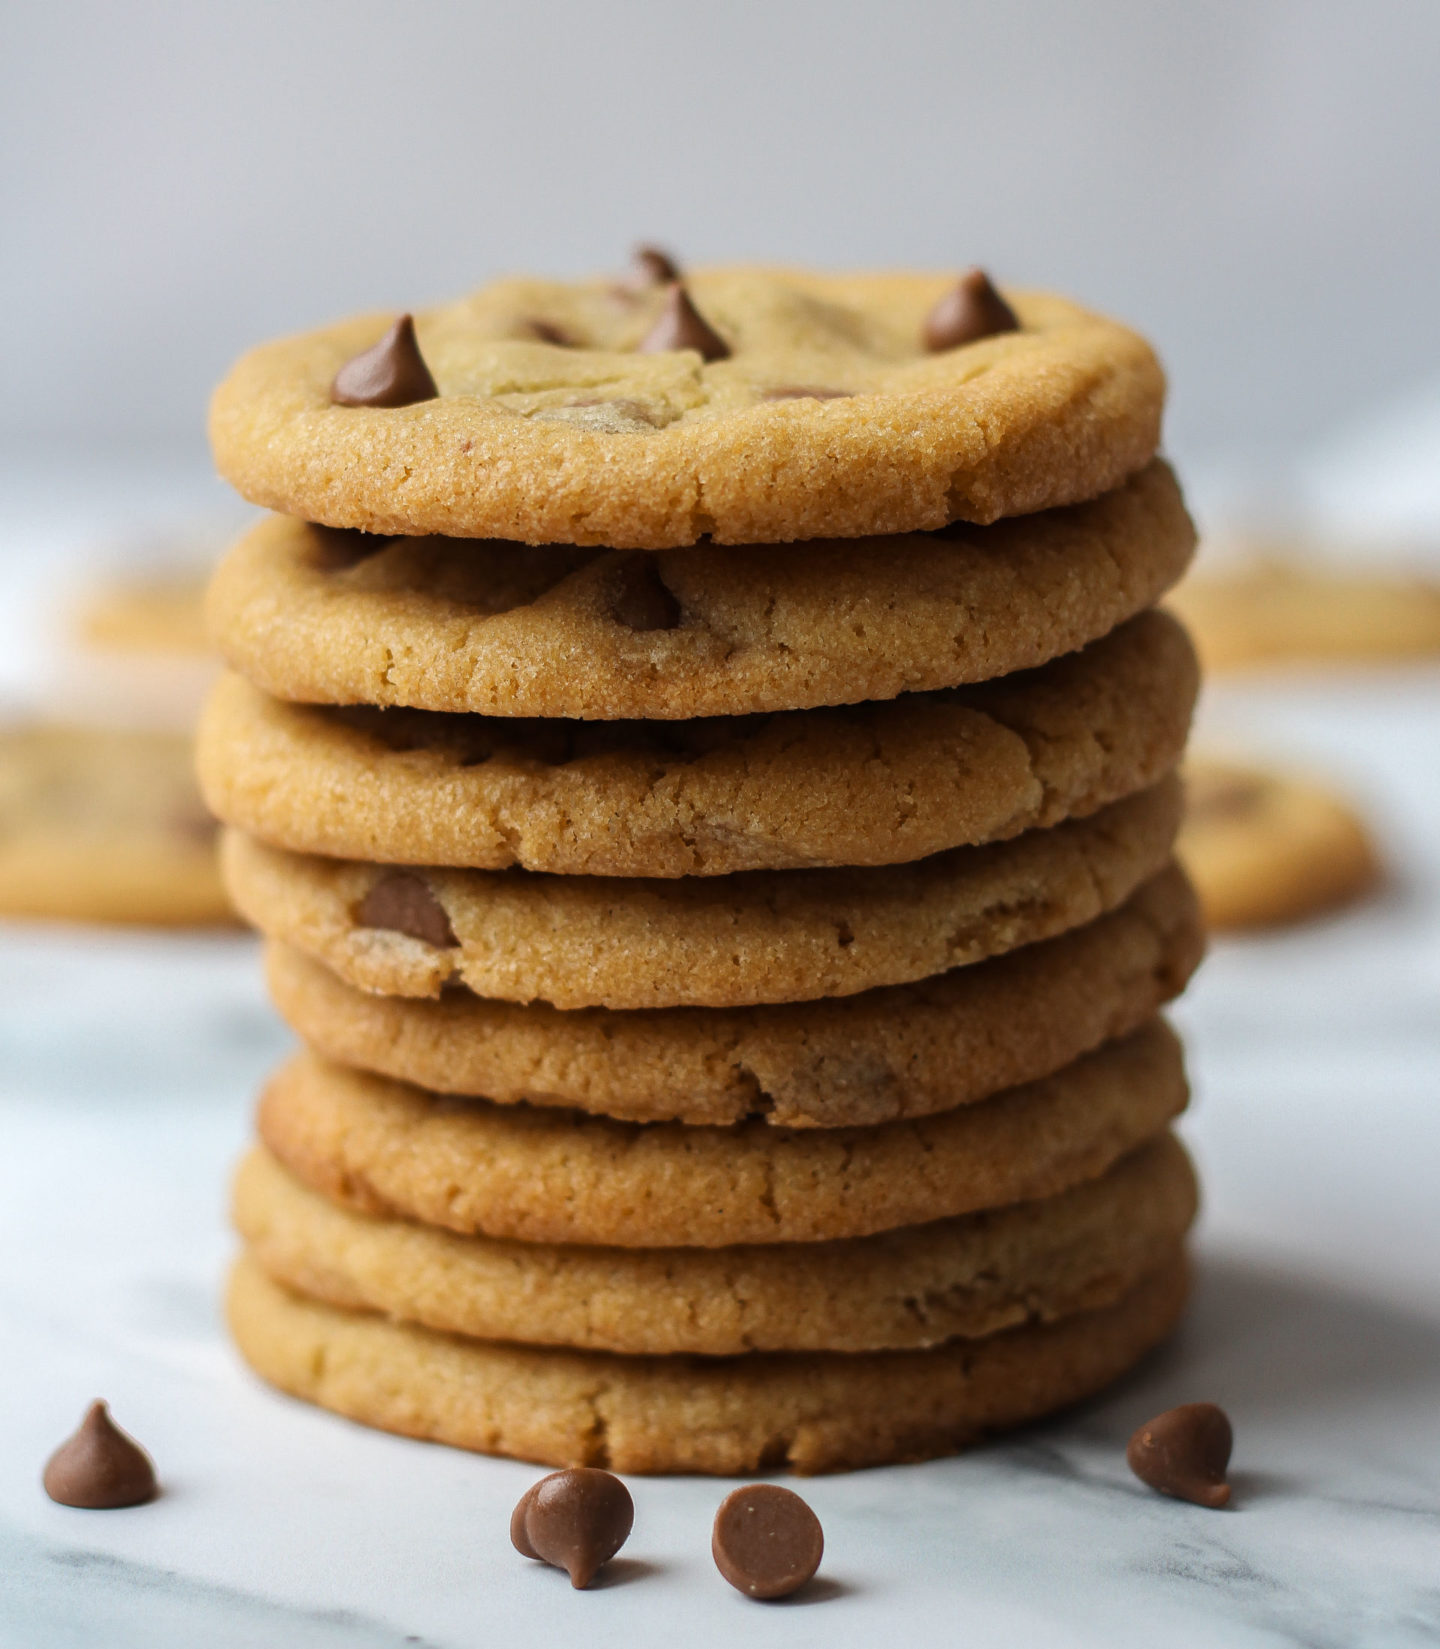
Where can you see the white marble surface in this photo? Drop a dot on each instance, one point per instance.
(128, 1068)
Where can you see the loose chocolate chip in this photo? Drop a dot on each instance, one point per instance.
(391, 373)
(1184, 1453)
(100, 1467)
(805, 392)
(575, 1520)
(639, 599)
(766, 1541)
(649, 266)
(971, 309)
(682, 326)
(402, 902)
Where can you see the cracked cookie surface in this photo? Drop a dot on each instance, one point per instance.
(544, 1176)
(757, 936)
(810, 1412)
(591, 442)
(496, 629)
(904, 1289)
(865, 785)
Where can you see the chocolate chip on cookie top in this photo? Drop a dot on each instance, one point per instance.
(391, 373)
(682, 326)
(972, 309)
(650, 266)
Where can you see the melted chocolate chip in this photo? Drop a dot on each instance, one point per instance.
(402, 902)
(649, 266)
(805, 392)
(100, 1467)
(1184, 1453)
(391, 373)
(575, 1520)
(970, 310)
(682, 326)
(639, 599)
(766, 1541)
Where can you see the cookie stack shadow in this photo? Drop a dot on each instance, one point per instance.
(730, 980)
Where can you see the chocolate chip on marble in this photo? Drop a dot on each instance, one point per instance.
(402, 902)
(391, 373)
(805, 392)
(100, 1467)
(766, 1541)
(639, 598)
(970, 310)
(575, 1520)
(682, 326)
(650, 266)
(1184, 1453)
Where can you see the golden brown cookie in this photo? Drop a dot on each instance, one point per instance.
(906, 1289)
(105, 825)
(827, 417)
(495, 629)
(870, 784)
(811, 1412)
(759, 936)
(909, 1050)
(1289, 612)
(1265, 849)
(555, 1177)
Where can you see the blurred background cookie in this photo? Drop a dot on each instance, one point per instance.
(1263, 849)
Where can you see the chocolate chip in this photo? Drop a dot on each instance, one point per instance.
(546, 332)
(100, 1467)
(1184, 1453)
(639, 599)
(402, 902)
(970, 310)
(682, 326)
(575, 1520)
(766, 1541)
(391, 373)
(649, 266)
(805, 392)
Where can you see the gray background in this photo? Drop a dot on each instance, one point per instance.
(1255, 184)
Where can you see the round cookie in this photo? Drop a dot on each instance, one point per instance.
(759, 936)
(870, 784)
(827, 416)
(494, 629)
(1277, 612)
(906, 1289)
(105, 825)
(811, 1412)
(555, 1177)
(908, 1050)
(1264, 849)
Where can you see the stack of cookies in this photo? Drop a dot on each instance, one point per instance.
(702, 753)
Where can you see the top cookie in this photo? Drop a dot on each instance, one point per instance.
(828, 416)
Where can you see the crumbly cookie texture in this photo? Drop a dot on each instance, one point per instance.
(906, 1289)
(496, 629)
(1265, 849)
(810, 1412)
(866, 785)
(908, 1050)
(544, 1176)
(591, 441)
(759, 936)
(104, 824)
(1290, 613)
